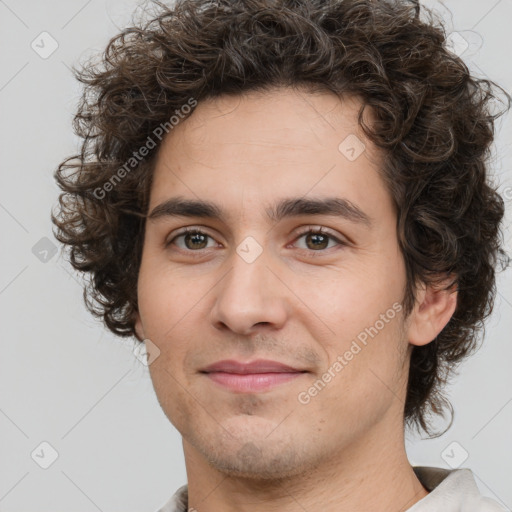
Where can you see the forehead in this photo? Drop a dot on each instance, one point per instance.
(286, 118)
(283, 142)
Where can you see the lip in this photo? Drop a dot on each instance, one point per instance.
(257, 366)
(255, 376)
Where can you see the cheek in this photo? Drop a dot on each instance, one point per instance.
(364, 313)
(355, 301)
(366, 380)
(171, 308)
(164, 299)
(170, 389)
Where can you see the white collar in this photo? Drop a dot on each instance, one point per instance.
(449, 491)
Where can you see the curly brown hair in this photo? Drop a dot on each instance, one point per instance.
(433, 121)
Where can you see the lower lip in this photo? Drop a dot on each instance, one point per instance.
(245, 383)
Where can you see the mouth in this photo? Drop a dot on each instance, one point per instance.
(255, 376)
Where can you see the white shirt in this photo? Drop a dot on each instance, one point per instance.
(449, 491)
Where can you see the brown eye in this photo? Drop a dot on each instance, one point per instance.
(317, 240)
(191, 240)
(195, 240)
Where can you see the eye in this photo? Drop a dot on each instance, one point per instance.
(317, 239)
(192, 239)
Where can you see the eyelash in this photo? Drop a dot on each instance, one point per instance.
(305, 231)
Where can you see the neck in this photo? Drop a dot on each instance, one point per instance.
(368, 475)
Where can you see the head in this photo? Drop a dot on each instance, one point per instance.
(277, 114)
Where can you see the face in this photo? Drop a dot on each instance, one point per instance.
(255, 279)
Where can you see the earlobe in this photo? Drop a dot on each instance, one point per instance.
(139, 331)
(433, 309)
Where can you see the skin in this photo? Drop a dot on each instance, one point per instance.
(295, 303)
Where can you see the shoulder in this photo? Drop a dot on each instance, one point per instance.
(452, 491)
(178, 501)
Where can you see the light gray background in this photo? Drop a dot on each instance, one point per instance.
(68, 382)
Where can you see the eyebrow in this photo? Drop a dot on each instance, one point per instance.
(285, 208)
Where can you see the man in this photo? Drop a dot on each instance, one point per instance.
(288, 203)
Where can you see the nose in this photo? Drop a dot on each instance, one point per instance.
(250, 298)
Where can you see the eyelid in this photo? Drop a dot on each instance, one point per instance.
(318, 229)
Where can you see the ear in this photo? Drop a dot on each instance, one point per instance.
(433, 308)
(139, 331)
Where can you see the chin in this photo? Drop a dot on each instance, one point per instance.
(254, 463)
(257, 455)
